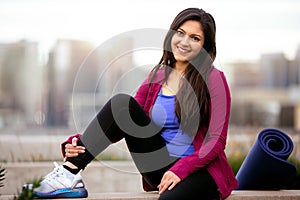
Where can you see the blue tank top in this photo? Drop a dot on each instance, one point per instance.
(179, 144)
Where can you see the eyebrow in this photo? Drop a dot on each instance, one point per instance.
(191, 34)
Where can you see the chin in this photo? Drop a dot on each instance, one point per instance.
(181, 59)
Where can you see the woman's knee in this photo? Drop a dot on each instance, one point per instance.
(121, 97)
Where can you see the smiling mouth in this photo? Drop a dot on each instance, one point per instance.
(182, 50)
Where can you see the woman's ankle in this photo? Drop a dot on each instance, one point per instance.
(70, 165)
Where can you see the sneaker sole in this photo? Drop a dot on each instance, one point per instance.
(63, 193)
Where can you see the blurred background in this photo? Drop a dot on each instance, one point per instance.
(44, 43)
(49, 90)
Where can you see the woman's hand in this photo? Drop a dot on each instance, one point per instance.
(72, 150)
(168, 181)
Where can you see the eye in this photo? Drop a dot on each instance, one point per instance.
(196, 38)
(180, 33)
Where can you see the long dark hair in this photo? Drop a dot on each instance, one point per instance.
(190, 111)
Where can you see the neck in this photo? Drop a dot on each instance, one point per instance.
(180, 67)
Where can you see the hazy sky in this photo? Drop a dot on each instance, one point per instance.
(245, 29)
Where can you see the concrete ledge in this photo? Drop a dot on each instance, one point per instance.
(236, 195)
(265, 195)
(124, 196)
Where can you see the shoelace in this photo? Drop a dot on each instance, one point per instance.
(57, 171)
(54, 173)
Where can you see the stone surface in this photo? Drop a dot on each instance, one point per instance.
(236, 195)
(265, 195)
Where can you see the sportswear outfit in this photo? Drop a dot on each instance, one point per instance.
(200, 162)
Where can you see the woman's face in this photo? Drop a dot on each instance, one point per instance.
(188, 40)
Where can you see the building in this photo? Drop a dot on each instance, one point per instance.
(20, 84)
(266, 94)
(64, 62)
(275, 70)
(245, 74)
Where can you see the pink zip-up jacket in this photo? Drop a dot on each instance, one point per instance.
(209, 143)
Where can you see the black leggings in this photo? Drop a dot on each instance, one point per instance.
(199, 185)
(122, 117)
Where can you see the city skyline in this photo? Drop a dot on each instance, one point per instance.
(68, 90)
(54, 34)
(245, 29)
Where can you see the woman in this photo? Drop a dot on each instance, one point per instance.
(175, 127)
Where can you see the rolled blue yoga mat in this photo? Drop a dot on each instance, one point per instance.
(266, 166)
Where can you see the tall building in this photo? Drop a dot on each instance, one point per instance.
(275, 69)
(20, 84)
(82, 77)
(293, 73)
(297, 65)
(108, 70)
(294, 70)
(64, 62)
(245, 74)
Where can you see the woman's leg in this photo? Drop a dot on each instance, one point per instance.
(122, 117)
(199, 185)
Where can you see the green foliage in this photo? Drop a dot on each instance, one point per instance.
(27, 193)
(236, 163)
(2, 176)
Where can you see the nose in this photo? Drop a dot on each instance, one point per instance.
(185, 40)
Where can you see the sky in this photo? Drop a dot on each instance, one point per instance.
(245, 29)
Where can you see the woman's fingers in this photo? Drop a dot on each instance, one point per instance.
(72, 150)
(173, 184)
(73, 153)
(78, 149)
(163, 186)
(74, 141)
(168, 181)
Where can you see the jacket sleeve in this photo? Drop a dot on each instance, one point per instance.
(215, 139)
(142, 92)
(69, 140)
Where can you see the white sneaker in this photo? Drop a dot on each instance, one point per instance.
(60, 183)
